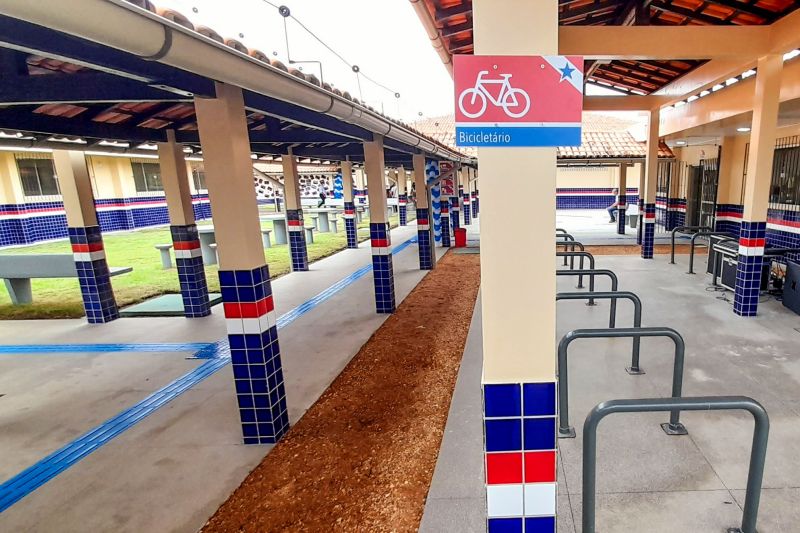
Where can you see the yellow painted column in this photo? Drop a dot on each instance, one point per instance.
(402, 195)
(361, 188)
(349, 214)
(752, 234)
(10, 185)
(85, 236)
(244, 278)
(295, 223)
(518, 286)
(185, 237)
(650, 184)
(425, 241)
(380, 238)
(622, 199)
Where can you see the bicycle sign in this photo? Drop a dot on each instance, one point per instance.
(518, 100)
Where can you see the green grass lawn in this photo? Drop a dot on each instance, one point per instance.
(61, 298)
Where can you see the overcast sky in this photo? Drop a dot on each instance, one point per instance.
(383, 37)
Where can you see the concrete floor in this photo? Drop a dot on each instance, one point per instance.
(591, 226)
(174, 468)
(647, 481)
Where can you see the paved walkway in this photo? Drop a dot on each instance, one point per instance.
(591, 226)
(648, 481)
(172, 469)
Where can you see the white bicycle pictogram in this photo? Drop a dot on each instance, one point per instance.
(509, 99)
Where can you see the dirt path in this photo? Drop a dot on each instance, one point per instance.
(633, 249)
(362, 458)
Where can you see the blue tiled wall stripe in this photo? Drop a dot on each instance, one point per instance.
(30, 479)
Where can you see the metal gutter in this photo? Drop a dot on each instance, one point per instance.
(124, 26)
(433, 34)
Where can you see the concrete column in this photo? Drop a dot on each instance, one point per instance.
(424, 229)
(519, 317)
(185, 239)
(474, 194)
(622, 199)
(752, 236)
(729, 207)
(455, 200)
(349, 215)
(295, 225)
(465, 195)
(85, 236)
(431, 174)
(640, 193)
(447, 219)
(361, 187)
(651, 182)
(381, 239)
(244, 277)
(402, 196)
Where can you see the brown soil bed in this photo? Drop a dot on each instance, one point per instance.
(634, 249)
(362, 458)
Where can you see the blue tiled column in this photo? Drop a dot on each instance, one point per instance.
(455, 213)
(445, 222)
(752, 239)
(519, 425)
(474, 204)
(402, 202)
(424, 239)
(297, 239)
(621, 209)
(467, 209)
(382, 271)
(191, 272)
(640, 226)
(93, 274)
(648, 230)
(255, 354)
(350, 224)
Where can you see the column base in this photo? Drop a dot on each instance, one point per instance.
(752, 239)
(424, 240)
(191, 272)
(297, 240)
(351, 232)
(445, 227)
(93, 274)
(621, 219)
(648, 231)
(382, 268)
(251, 323)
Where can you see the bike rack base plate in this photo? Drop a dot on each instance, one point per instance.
(635, 371)
(678, 429)
(568, 433)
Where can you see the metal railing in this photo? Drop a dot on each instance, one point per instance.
(683, 229)
(569, 246)
(694, 239)
(567, 237)
(758, 452)
(581, 255)
(621, 295)
(592, 273)
(674, 426)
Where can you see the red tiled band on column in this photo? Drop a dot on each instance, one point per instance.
(88, 251)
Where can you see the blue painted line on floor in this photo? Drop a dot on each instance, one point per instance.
(216, 355)
(103, 348)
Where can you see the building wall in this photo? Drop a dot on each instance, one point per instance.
(25, 220)
(591, 187)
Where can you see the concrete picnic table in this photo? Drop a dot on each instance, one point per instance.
(279, 227)
(324, 220)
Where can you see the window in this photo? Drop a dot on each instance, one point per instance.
(38, 176)
(199, 177)
(785, 187)
(147, 177)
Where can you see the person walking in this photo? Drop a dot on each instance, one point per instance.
(322, 197)
(612, 209)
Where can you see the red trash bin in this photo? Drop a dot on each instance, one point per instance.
(461, 237)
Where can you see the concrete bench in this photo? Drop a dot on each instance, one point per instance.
(309, 235)
(18, 270)
(213, 248)
(334, 224)
(265, 233)
(166, 258)
(315, 221)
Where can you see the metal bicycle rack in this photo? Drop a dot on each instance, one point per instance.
(637, 316)
(674, 426)
(592, 273)
(569, 246)
(582, 255)
(694, 239)
(758, 452)
(683, 229)
(567, 237)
